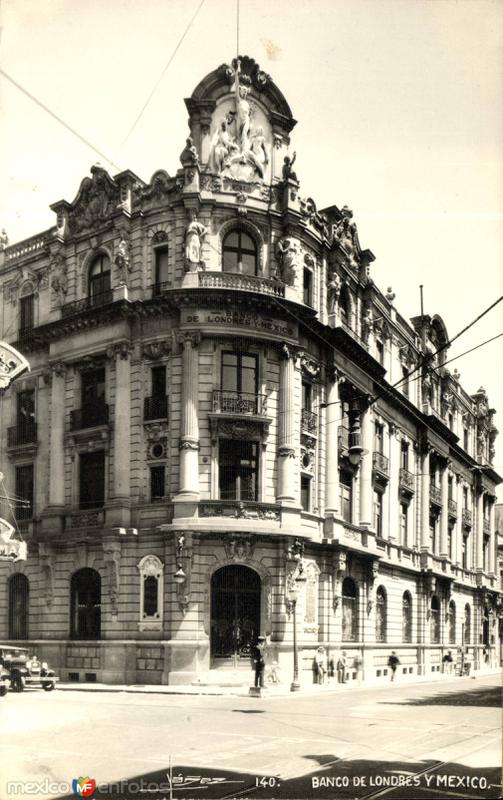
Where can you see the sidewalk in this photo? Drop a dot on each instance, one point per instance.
(282, 690)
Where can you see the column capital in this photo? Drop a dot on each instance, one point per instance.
(120, 350)
(58, 369)
(184, 338)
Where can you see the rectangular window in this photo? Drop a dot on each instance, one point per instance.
(307, 396)
(451, 421)
(466, 438)
(93, 387)
(238, 470)
(305, 493)
(405, 383)
(92, 480)
(485, 553)
(158, 381)
(380, 351)
(433, 534)
(308, 287)
(404, 524)
(450, 535)
(239, 373)
(24, 490)
(26, 313)
(25, 409)
(450, 488)
(465, 497)
(157, 482)
(378, 513)
(346, 495)
(464, 553)
(161, 269)
(379, 439)
(404, 455)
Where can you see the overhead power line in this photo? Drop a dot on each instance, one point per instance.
(57, 118)
(161, 76)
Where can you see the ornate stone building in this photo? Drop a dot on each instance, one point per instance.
(227, 427)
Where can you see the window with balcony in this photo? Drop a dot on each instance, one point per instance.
(100, 281)
(435, 620)
(346, 495)
(161, 267)
(305, 492)
(464, 551)
(349, 611)
(157, 482)
(239, 383)
(404, 524)
(92, 480)
(26, 315)
(407, 617)
(379, 438)
(404, 455)
(24, 491)
(378, 513)
(239, 252)
(238, 470)
(25, 430)
(93, 409)
(156, 406)
(433, 533)
(308, 287)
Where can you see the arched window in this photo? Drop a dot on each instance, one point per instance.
(151, 592)
(99, 280)
(468, 625)
(239, 253)
(407, 617)
(349, 611)
(85, 604)
(19, 591)
(451, 621)
(381, 614)
(435, 620)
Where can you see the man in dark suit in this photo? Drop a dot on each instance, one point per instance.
(259, 661)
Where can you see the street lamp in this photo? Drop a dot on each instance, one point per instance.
(179, 577)
(296, 582)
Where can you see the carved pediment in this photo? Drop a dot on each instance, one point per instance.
(97, 198)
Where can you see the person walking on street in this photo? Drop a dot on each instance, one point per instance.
(321, 668)
(358, 666)
(341, 667)
(259, 661)
(448, 662)
(393, 662)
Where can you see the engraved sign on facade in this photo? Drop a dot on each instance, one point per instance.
(240, 319)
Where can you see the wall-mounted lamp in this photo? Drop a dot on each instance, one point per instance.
(179, 577)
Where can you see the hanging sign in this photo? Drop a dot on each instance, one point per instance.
(12, 364)
(10, 549)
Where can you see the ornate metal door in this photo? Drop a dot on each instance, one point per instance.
(235, 613)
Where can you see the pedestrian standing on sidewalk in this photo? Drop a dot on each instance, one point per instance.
(358, 667)
(448, 662)
(321, 667)
(259, 661)
(393, 662)
(341, 667)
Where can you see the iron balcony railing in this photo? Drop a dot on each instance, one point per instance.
(452, 507)
(309, 421)
(89, 417)
(93, 301)
(155, 407)
(160, 288)
(406, 479)
(380, 463)
(466, 517)
(239, 402)
(435, 494)
(22, 434)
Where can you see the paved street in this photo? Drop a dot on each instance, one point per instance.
(427, 740)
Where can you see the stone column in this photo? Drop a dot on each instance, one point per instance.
(479, 541)
(332, 445)
(366, 469)
(492, 544)
(286, 429)
(189, 433)
(425, 500)
(393, 488)
(444, 515)
(57, 454)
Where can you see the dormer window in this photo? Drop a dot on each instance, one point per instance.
(99, 280)
(239, 253)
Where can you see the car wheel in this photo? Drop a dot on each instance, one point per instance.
(17, 683)
(48, 687)
(3, 691)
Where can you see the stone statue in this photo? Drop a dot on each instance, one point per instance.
(243, 113)
(258, 153)
(189, 156)
(333, 291)
(366, 323)
(345, 232)
(59, 281)
(4, 240)
(194, 235)
(288, 256)
(288, 173)
(122, 260)
(222, 148)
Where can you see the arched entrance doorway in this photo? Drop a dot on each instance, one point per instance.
(235, 614)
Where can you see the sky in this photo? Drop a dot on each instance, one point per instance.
(400, 116)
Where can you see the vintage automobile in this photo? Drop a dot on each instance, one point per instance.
(24, 669)
(4, 681)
